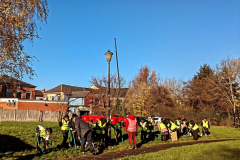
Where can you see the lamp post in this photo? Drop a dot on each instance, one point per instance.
(108, 56)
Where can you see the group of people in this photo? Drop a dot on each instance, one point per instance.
(176, 129)
(86, 133)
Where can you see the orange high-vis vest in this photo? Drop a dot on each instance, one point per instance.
(132, 126)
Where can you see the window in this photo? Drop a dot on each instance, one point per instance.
(9, 93)
(19, 94)
(28, 94)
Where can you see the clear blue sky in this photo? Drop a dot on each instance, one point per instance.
(172, 37)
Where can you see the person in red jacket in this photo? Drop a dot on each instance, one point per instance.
(131, 127)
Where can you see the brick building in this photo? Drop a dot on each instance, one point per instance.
(13, 88)
(19, 95)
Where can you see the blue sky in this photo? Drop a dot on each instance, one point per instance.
(170, 36)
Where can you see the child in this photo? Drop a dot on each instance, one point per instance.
(195, 129)
(205, 127)
(64, 124)
(143, 126)
(44, 135)
(163, 129)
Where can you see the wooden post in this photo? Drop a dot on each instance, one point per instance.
(1, 113)
(15, 112)
(50, 116)
(27, 115)
(39, 115)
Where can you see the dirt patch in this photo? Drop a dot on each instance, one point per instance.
(141, 150)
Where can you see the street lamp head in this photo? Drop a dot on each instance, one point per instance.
(108, 55)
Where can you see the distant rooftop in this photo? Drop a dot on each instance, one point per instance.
(8, 80)
(67, 89)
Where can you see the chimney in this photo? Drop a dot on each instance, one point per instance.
(43, 90)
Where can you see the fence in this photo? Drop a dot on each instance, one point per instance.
(28, 115)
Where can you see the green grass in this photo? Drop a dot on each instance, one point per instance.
(18, 140)
(213, 151)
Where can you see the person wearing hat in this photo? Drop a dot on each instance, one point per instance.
(64, 124)
(143, 126)
(43, 134)
(205, 127)
(131, 127)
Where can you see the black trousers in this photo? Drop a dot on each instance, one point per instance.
(65, 137)
(151, 134)
(178, 133)
(143, 136)
(205, 130)
(87, 138)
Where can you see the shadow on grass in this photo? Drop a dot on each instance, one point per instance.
(12, 144)
(228, 153)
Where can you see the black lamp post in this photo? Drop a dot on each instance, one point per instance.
(108, 56)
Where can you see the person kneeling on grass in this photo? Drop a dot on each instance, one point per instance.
(195, 130)
(43, 134)
(84, 133)
(173, 131)
(163, 129)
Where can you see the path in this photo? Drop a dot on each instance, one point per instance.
(141, 150)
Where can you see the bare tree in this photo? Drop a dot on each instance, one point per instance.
(17, 24)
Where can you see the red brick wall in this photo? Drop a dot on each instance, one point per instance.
(42, 106)
(2, 91)
(88, 99)
(24, 89)
(5, 106)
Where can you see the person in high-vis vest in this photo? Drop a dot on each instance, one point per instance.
(131, 127)
(178, 122)
(189, 129)
(151, 124)
(163, 130)
(195, 130)
(64, 124)
(93, 126)
(43, 134)
(101, 131)
(173, 131)
(143, 126)
(118, 130)
(205, 127)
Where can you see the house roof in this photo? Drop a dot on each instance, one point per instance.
(79, 94)
(8, 80)
(38, 93)
(67, 89)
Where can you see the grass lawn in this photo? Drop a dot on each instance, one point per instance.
(227, 150)
(18, 140)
